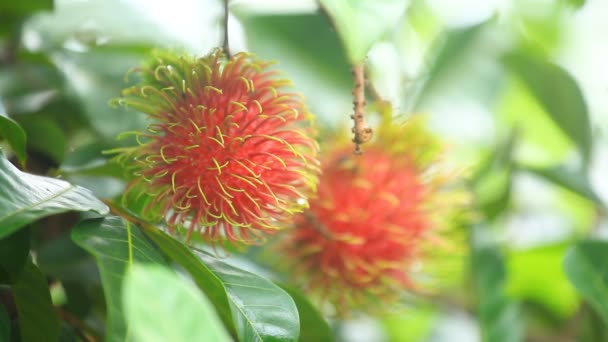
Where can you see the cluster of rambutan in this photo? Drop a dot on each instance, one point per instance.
(231, 155)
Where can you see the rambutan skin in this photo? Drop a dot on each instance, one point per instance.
(228, 153)
(372, 220)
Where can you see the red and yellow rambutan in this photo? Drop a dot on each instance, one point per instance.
(375, 217)
(229, 153)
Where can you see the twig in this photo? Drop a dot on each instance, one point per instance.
(226, 45)
(363, 132)
(118, 211)
(88, 334)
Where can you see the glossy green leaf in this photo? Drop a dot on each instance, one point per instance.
(559, 94)
(313, 327)
(116, 245)
(148, 304)
(573, 180)
(586, 268)
(5, 324)
(364, 22)
(25, 198)
(252, 306)
(14, 135)
(14, 252)
(37, 318)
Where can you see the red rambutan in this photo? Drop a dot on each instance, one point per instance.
(367, 228)
(229, 153)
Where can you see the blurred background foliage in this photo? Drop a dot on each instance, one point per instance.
(517, 87)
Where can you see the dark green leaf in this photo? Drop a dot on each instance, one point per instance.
(559, 95)
(586, 268)
(148, 304)
(89, 160)
(5, 324)
(25, 7)
(253, 306)
(47, 137)
(573, 180)
(79, 302)
(313, 327)
(14, 251)
(362, 23)
(116, 245)
(25, 198)
(14, 135)
(37, 318)
(63, 259)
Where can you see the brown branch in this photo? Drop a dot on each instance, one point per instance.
(226, 45)
(363, 132)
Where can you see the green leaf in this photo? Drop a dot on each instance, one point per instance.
(25, 198)
(14, 252)
(116, 245)
(102, 69)
(14, 135)
(152, 294)
(450, 49)
(63, 259)
(586, 268)
(252, 306)
(25, 7)
(37, 318)
(492, 181)
(311, 53)
(313, 327)
(550, 287)
(364, 22)
(411, 324)
(573, 180)
(559, 95)
(499, 316)
(5, 324)
(576, 3)
(47, 137)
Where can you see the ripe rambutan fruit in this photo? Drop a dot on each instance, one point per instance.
(229, 153)
(375, 218)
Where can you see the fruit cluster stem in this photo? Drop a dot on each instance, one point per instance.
(226, 44)
(361, 129)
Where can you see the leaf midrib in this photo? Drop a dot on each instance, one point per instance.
(22, 209)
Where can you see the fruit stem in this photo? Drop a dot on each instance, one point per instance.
(362, 131)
